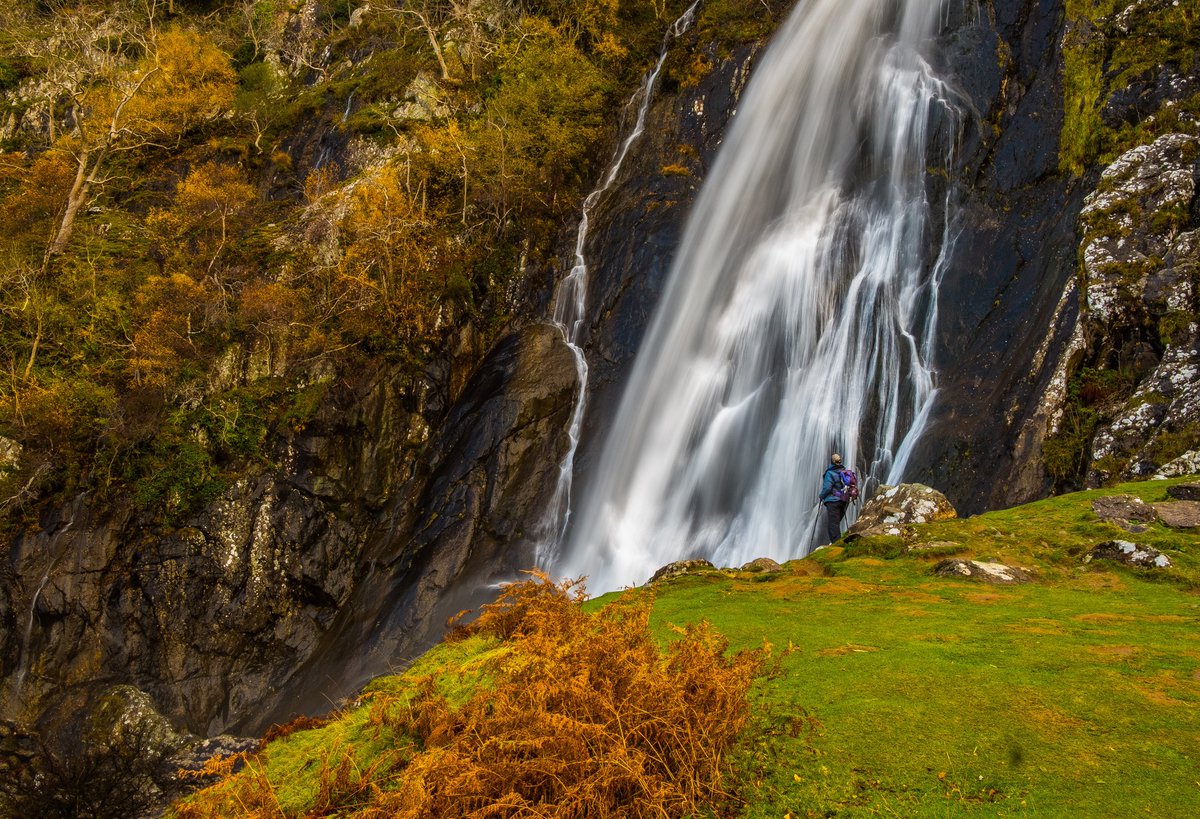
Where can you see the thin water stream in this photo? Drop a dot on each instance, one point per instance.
(800, 311)
(570, 301)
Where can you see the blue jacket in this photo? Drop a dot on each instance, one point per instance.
(831, 483)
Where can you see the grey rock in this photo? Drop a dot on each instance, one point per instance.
(997, 573)
(1131, 554)
(1139, 264)
(893, 508)
(1123, 510)
(1184, 514)
(1186, 464)
(680, 568)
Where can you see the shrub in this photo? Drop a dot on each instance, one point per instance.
(584, 716)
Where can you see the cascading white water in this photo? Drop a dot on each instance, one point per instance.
(570, 302)
(799, 315)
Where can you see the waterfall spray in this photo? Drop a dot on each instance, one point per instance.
(800, 311)
(570, 301)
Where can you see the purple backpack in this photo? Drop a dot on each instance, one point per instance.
(849, 487)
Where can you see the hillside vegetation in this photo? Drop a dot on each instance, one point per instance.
(211, 210)
(878, 689)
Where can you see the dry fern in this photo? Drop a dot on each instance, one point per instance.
(586, 718)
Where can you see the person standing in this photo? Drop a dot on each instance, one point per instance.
(833, 498)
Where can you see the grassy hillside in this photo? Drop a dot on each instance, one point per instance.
(889, 690)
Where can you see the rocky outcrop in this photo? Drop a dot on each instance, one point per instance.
(1140, 265)
(1184, 491)
(228, 617)
(1123, 398)
(893, 508)
(680, 568)
(762, 564)
(1125, 511)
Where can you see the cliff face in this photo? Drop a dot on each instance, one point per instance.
(999, 304)
(403, 500)
(406, 499)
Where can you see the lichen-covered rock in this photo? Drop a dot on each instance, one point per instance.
(977, 570)
(1186, 464)
(1184, 514)
(1131, 554)
(679, 568)
(1140, 262)
(893, 508)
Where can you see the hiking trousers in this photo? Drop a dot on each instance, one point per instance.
(834, 512)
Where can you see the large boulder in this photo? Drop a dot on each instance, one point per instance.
(893, 508)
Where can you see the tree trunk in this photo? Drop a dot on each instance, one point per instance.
(75, 200)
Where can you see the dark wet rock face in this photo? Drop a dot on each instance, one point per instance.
(226, 619)
(469, 524)
(1002, 316)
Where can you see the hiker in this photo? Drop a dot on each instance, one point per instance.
(839, 486)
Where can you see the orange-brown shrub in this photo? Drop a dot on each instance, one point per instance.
(587, 717)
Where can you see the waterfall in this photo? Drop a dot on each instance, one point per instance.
(799, 315)
(570, 301)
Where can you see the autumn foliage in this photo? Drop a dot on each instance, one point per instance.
(584, 716)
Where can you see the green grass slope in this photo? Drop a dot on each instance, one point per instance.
(901, 693)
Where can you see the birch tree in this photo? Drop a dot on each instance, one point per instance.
(113, 84)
